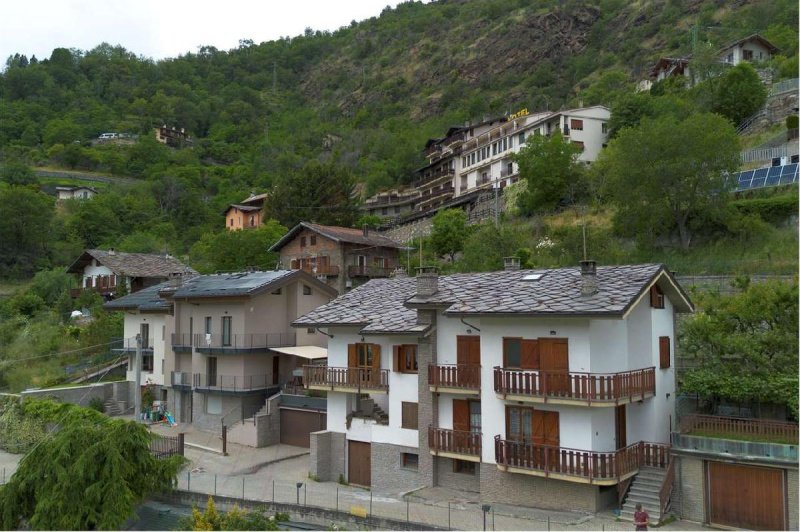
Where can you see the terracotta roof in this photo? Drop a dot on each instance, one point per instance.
(387, 305)
(132, 264)
(338, 234)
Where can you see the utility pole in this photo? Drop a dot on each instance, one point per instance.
(137, 368)
(496, 214)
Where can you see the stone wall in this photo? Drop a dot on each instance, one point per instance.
(404, 233)
(689, 486)
(120, 391)
(327, 457)
(792, 497)
(539, 492)
(268, 423)
(388, 473)
(448, 478)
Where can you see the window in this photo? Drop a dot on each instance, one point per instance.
(144, 332)
(410, 460)
(302, 241)
(405, 358)
(464, 466)
(522, 138)
(231, 222)
(364, 355)
(385, 211)
(576, 124)
(409, 415)
(747, 55)
(276, 292)
(311, 330)
(520, 423)
(252, 221)
(208, 324)
(226, 330)
(147, 362)
(578, 144)
(663, 352)
(520, 353)
(475, 416)
(313, 240)
(397, 210)
(656, 297)
(306, 290)
(604, 128)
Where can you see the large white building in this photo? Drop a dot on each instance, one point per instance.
(547, 388)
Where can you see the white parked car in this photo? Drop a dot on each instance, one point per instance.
(107, 136)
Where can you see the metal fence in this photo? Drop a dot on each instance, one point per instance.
(352, 501)
(767, 154)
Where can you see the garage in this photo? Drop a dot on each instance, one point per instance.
(744, 496)
(359, 463)
(297, 424)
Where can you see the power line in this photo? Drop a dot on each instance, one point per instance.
(9, 362)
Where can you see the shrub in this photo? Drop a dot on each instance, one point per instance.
(96, 403)
(792, 122)
(775, 209)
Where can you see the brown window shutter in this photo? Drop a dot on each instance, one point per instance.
(663, 351)
(460, 414)
(376, 356)
(409, 415)
(530, 354)
(293, 264)
(396, 363)
(656, 297)
(352, 356)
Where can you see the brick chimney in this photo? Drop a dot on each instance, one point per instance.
(511, 264)
(427, 281)
(588, 277)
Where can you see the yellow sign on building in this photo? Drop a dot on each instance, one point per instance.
(518, 114)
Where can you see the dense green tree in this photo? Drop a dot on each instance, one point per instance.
(549, 165)
(88, 475)
(319, 192)
(237, 250)
(487, 245)
(449, 231)
(664, 173)
(745, 345)
(739, 93)
(17, 173)
(24, 229)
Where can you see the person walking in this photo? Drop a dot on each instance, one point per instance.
(640, 517)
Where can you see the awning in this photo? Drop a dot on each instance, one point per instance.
(310, 352)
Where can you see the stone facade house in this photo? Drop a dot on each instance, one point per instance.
(547, 388)
(342, 256)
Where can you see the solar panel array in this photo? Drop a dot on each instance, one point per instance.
(772, 176)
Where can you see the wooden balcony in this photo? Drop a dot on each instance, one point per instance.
(352, 380)
(102, 290)
(368, 271)
(590, 389)
(239, 344)
(735, 428)
(458, 444)
(455, 378)
(328, 270)
(577, 465)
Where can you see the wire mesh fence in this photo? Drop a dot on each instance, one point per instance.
(353, 501)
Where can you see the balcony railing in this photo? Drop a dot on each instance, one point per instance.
(355, 379)
(580, 465)
(128, 345)
(368, 271)
(608, 388)
(241, 343)
(456, 376)
(454, 442)
(332, 270)
(181, 342)
(102, 290)
(739, 428)
(180, 379)
(232, 383)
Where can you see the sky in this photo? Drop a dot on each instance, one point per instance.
(166, 28)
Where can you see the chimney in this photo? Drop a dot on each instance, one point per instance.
(365, 228)
(427, 281)
(111, 251)
(175, 279)
(399, 273)
(588, 277)
(510, 264)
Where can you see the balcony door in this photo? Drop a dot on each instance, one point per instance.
(527, 426)
(211, 371)
(466, 419)
(620, 422)
(365, 359)
(554, 362)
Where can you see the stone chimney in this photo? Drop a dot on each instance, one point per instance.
(588, 277)
(111, 251)
(399, 273)
(511, 264)
(427, 281)
(365, 228)
(175, 280)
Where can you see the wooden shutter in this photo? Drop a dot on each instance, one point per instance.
(663, 351)
(656, 297)
(460, 414)
(530, 354)
(376, 356)
(397, 364)
(293, 265)
(352, 356)
(409, 415)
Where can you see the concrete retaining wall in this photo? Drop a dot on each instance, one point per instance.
(121, 391)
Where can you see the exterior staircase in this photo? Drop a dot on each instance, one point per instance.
(645, 489)
(115, 408)
(380, 416)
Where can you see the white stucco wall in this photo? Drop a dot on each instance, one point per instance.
(131, 326)
(92, 272)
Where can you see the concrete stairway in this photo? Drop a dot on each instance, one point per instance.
(380, 416)
(645, 489)
(115, 408)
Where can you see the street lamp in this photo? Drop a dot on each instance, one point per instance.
(485, 509)
(299, 485)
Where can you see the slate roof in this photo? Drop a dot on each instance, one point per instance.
(386, 305)
(376, 306)
(132, 264)
(243, 284)
(338, 234)
(146, 299)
